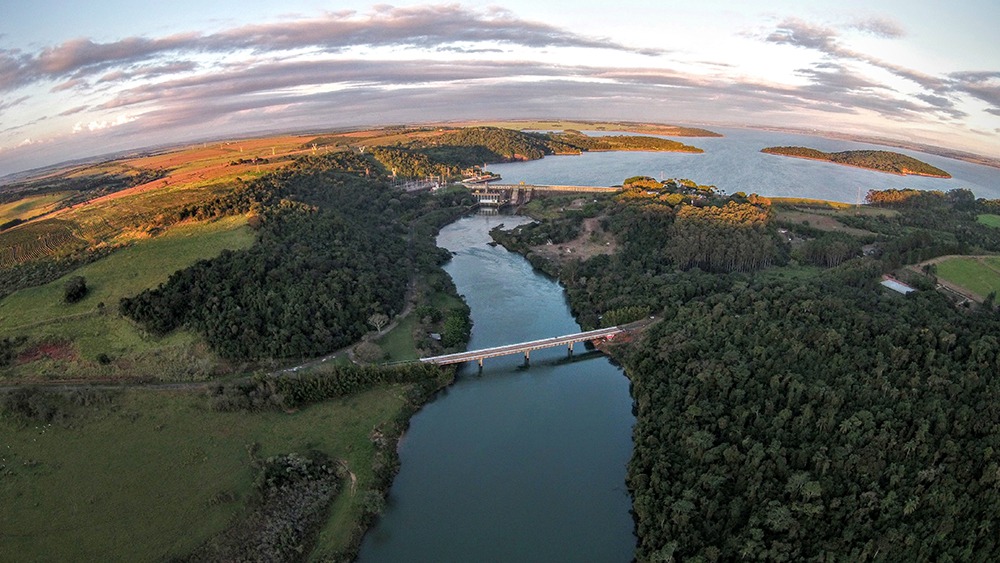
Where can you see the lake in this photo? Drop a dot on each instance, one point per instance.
(734, 163)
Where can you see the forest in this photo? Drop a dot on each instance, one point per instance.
(787, 414)
(884, 161)
(334, 246)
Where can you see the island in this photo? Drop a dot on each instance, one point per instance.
(881, 161)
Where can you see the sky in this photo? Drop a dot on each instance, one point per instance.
(84, 79)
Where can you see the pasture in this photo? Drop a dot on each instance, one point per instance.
(93, 325)
(155, 474)
(980, 275)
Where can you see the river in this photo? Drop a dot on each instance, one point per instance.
(513, 463)
(734, 163)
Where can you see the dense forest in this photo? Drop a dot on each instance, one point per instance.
(335, 245)
(797, 421)
(884, 161)
(788, 415)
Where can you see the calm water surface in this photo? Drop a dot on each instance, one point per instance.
(734, 163)
(513, 464)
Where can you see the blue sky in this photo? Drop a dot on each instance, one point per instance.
(81, 81)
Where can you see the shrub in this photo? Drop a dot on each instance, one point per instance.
(75, 289)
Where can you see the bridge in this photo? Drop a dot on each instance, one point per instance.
(525, 347)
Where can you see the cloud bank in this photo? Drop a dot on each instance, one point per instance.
(451, 62)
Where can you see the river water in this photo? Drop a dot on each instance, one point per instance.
(734, 163)
(513, 463)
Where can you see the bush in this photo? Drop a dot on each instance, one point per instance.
(75, 289)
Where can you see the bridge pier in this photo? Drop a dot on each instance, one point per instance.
(571, 348)
(527, 357)
(480, 363)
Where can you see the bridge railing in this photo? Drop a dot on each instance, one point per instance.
(522, 347)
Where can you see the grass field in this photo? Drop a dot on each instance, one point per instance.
(821, 221)
(40, 313)
(979, 275)
(398, 343)
(136, 481)
(31, 206)
(989, 220)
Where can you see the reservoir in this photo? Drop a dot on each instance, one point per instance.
(513, 463)
(734, 163)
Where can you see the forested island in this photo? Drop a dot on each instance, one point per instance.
(788, 407)
(882, 161)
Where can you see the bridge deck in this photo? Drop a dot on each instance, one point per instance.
(522, 347)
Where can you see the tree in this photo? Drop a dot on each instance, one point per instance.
(369, 352)
(378, 320)
(75, 289)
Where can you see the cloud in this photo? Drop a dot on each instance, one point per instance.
(68, 85)
(75, 110)
(148, 71)
(880, 27)
(799, 33)
(449, 26)
(103, 124)
(5, 105)
(939, 92)
(833, 78)
(984, 86)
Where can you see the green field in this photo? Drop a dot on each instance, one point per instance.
(40, 313)
(989, 220)
(978, 275)
(141, 480)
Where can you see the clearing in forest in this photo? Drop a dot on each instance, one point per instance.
(989, 220)
(979, 275)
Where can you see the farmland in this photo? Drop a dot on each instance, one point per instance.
(107, 211)
(989, 220)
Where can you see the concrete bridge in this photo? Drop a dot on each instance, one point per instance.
(525, 347)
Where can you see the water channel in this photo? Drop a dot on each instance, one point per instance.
(513, 463)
